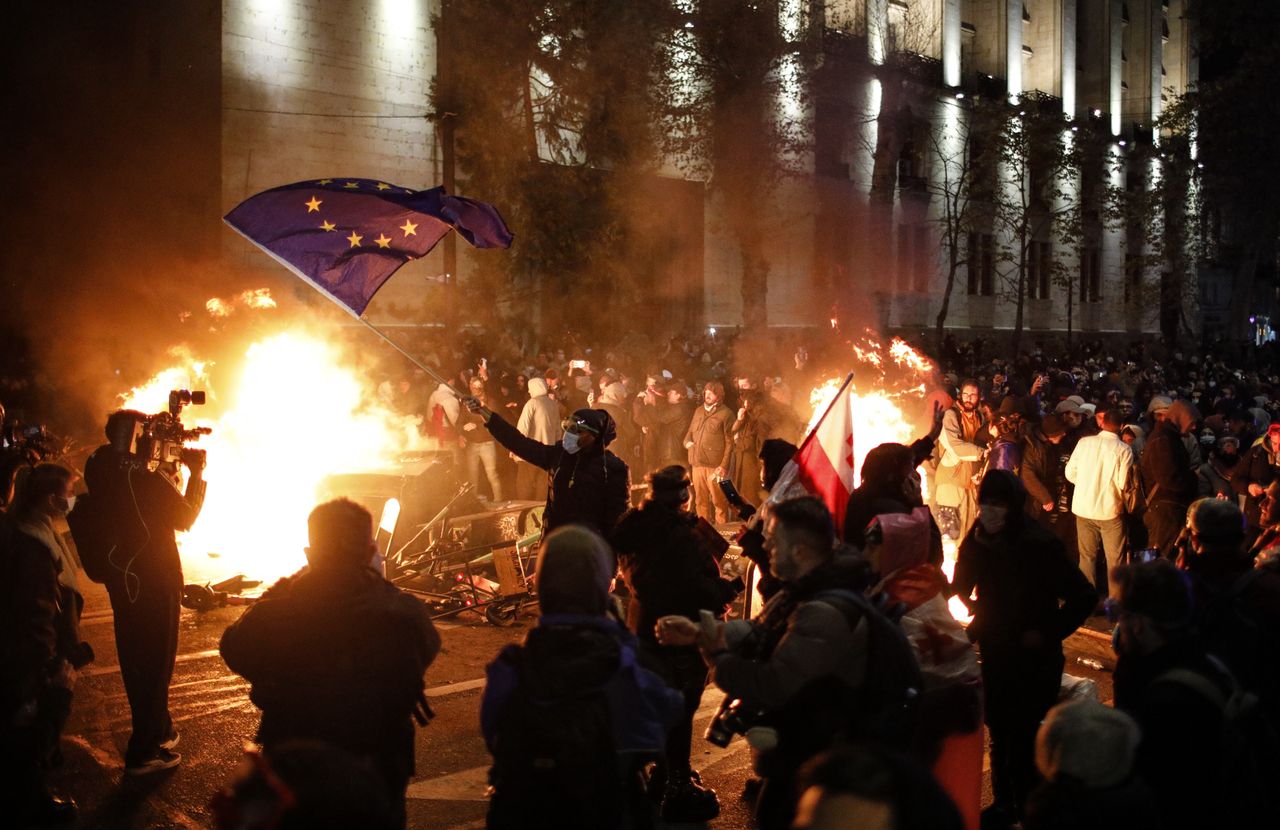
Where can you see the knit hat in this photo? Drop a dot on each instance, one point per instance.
(575, 569)
(1159, 403)
(1087, 741)
(1002, 487)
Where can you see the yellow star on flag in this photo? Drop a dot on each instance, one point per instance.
(354, 239)
(327, 226)
(325, 181)
(352, 184)
(383, 241)
(409, 228)
(383, 186)
(313, 205)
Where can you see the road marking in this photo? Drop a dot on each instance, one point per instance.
(114, 668)
(454, 688)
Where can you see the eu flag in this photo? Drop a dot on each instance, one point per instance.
(348, 236)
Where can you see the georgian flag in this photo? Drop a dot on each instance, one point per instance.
(823, 466)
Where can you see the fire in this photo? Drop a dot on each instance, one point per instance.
(254, 298)
(292, 412)
(890, 407)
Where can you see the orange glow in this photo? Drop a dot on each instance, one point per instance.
(291, 412)
(889, 406)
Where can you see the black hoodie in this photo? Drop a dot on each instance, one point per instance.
(591, 487)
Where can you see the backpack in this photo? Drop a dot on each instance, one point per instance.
(887, 706)
(554, 759)
(94, 535)
(1246, 765)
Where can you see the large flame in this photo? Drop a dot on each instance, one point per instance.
(890, 406)
(291, 413)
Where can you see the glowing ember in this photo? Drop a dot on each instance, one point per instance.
(254, 298)
(292, 413)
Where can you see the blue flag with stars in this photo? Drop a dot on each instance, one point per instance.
(348, 236)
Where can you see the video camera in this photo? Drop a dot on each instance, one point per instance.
(161, 438)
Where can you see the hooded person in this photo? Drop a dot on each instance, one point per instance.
(586, 483)
(540, 421)
(613, 399)
(570, 714)
(1030, 597)
(1169, 476)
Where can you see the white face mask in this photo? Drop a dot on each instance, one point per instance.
(992, 517)
(570, 442)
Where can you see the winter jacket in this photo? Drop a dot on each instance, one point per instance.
(960, 456)
(1167, 474)
(540, 417)
(667, 569)
(1181, 731)
(337, 656)
(573, 653)
(1041, 472)
(1256, 466)
(589, 487)
(1026, 584)
(711, 436)
(146, 509)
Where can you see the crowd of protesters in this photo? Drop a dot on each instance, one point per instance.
(1079, 483)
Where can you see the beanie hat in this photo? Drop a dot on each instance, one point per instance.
(575, 569)
(1002, 487)
(1087, 741)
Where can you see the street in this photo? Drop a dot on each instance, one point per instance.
(212, 712)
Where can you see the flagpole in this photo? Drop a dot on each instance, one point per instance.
(848, 379)
(431, 373)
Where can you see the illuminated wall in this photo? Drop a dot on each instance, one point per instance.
(315, 88)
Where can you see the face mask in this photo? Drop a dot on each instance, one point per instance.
(70, 503)
(992, 517)
(570, 442)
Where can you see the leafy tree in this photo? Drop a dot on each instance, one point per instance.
(550, 105)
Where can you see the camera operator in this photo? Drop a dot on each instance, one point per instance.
(143, 509)
(794, 666)
(40, 646)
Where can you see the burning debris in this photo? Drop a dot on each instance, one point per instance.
(293, 410)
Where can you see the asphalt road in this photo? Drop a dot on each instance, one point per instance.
(212, 711)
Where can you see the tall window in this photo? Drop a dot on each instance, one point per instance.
(1132, 277)
(1039, 270)
(1090, 274)
(982, 264)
